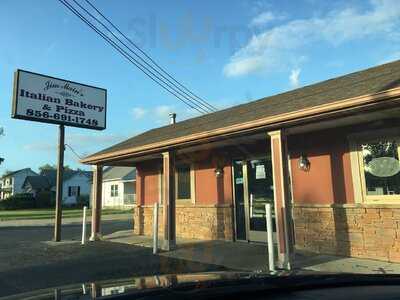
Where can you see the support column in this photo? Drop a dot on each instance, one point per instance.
(96, 202)
(280, 171)
(169, 241)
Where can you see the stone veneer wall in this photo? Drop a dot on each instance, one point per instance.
(365, 231)
(206, 222)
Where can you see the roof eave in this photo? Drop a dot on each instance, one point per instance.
(315, 111)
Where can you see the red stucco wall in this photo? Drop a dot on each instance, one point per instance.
(329, 179)
(147, 182)
(209, 189)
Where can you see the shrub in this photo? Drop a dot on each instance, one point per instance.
(45, 199)
(18, 201)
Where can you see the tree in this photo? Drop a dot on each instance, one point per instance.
(48, 167)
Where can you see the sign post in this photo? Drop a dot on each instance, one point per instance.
(47, 99)
(59, 183)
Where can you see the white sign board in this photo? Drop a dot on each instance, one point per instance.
(383, 166)
(52, 100)
(260, 172)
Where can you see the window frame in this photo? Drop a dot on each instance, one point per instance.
(192, 198)
(357, 162)
(114, 190)
(72, 188)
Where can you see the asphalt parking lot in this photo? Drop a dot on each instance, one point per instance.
(29, 262)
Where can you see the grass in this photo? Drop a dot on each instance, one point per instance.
(48, 213)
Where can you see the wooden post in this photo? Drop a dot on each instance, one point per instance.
(96, 202)
(169, 241)
(59, 184)
(281, 197)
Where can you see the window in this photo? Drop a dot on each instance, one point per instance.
(114, 190)
(380, 169)
(183, 182)
(74, 191)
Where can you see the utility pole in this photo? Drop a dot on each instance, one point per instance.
(59, 184)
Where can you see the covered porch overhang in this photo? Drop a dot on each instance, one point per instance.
(274, 134)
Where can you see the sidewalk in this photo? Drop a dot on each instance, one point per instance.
(244, 256)
(65, 221)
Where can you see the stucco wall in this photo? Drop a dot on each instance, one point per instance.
(148, 182)
(209, 188)
(209, 217)
(329, 179)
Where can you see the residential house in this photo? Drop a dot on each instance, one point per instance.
(36, 184)
(325, 156)
(75, 184)
(119, 187)
(11, 183)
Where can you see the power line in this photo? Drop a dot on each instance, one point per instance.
(128, 57)
(171, 84)
(73, 151)
(210, 106)
(188, 94)
(168, 87)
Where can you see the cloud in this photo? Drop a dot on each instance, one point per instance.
(280, 46)
(138, 112)
(294, 78)
(41, 147)
(244, 65)
(265, 18)
(97, 140)
(81, 143)
(163, 111)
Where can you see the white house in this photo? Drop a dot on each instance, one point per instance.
(119, 187)
(11, 183)
(75, 184)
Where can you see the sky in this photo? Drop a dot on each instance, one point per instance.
(227, 51)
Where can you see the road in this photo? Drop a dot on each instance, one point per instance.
(29, 262)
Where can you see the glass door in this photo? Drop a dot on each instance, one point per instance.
(260, 188)
(240, 210)
(253, 187)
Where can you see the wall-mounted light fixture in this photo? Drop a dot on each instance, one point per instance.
(304, 163)
(219, 172)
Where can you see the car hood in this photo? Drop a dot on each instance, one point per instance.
(141, 286)
(138, 284)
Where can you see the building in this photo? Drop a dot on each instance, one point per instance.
(36, 184)
(75, 184)
(119, 187)
(326, 156)
(11, 183)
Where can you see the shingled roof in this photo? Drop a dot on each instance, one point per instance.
(369, 81)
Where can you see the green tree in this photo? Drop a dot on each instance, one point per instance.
(47, 167)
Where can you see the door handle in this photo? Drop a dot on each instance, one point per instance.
(251, 205)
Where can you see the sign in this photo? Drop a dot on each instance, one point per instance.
(260, 172)
(239, 180)
(52, 100)
(383, 166)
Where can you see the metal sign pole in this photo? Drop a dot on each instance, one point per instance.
(59, 187)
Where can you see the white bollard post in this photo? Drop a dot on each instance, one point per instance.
(84, 226)
(271, 254)
(155, 228)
